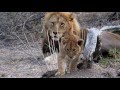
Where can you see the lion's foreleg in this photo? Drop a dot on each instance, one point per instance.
(61, 65)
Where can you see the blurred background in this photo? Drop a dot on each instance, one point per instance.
(31, 22)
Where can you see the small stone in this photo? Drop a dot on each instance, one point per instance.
(118, 74)
(2, 75)
(107, 74)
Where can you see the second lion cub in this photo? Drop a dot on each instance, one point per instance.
(69, 55)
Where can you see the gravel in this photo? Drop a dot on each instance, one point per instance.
(24, 66)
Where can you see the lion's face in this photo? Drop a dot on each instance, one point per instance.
(72, 46)
(57, 25)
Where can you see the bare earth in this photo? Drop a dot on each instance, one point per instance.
(23, 64)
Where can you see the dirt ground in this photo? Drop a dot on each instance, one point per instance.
(22, 64)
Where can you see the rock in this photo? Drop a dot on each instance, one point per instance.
(49, 74)
(118, 74)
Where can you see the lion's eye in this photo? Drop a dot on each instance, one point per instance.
(74, 49)
(62, 24)
(67, 49)
(52, 23)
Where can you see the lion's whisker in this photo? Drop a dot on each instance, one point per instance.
(49, 44)
(58, 41)
(53, 49)
(50, 48)
(53, 44)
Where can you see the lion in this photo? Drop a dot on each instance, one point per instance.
(70, 53)
(56, 24)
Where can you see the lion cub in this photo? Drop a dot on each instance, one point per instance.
(69, 55)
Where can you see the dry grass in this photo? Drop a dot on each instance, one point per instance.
(113, 57)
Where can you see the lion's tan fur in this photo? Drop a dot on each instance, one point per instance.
(67, 16)
(70, 52)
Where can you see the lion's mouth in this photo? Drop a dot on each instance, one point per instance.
(55, 37)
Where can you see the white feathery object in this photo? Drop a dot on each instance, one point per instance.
(91, 42)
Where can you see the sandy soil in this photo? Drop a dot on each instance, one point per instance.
(95, 72)
(23, 64)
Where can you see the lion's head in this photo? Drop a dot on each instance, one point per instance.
(57, 23)
(72, 45)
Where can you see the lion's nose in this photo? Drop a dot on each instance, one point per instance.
(70, 56)
(55, 33)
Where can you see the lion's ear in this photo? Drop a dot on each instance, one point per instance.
(72, 15)
(80, 42)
